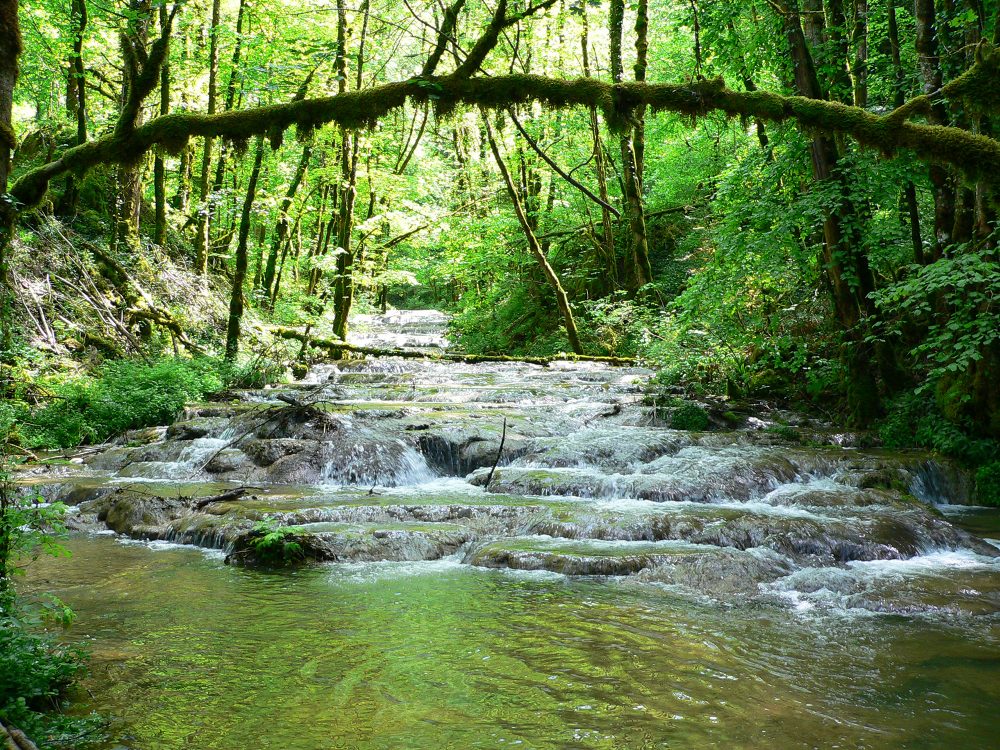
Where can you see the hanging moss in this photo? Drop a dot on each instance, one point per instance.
(977, 156)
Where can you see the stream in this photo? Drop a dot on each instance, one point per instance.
(613, 583)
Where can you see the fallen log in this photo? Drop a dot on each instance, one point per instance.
(12, 738)
(337, 346)
(222, 497)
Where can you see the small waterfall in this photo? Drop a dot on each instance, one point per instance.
(396, 462)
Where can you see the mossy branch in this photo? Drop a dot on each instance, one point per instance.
(977, 156)
(337, 347)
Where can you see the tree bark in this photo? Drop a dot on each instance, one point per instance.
(204, 225)
(562, 301)
(350, 142)
(899, 98)
(280, 232)
(10, 51)
(220, 245)
(134, 40)
(240, 274)
(847, 270)
(631, 178)
(930, 72)
(159, 166)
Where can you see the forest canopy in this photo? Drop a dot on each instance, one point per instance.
(793, 200)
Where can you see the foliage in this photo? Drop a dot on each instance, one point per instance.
(689, 416)
(956, 298)
(125, 395)
(35, 670)
(276, 545)
(914, 421)
(988, 484)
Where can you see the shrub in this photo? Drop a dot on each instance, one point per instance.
(276, 545)
(34, 669)
(689, 416)
(913, 421)
(122, 395)
(34, 673)
(988, 484)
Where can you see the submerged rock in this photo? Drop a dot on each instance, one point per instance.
(389, 460)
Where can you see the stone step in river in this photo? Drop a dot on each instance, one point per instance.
(385, 469)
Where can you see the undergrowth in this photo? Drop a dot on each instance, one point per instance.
(66, 411)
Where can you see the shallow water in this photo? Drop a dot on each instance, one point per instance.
(188, 652)
(616, 584)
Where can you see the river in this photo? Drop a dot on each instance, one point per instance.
(614, 584)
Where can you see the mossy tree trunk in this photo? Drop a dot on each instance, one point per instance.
(10, 51)
(280, 232)
(562, 300)
(847, 269)
(76, 97)
(930, 73)
(159, 165)
(343, 289)
(642, 272)
(607, 238)
(128, 204)
(911, 208)
(240, 272)
(220, 244)
(204, 223)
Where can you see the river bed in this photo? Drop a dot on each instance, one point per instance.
(612, 583)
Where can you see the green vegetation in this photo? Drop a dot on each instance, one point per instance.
(689, 416)
(275, 545)
(121, 395)
(35, 669)
(748, 232)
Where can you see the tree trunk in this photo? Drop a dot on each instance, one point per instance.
(847, 270)
(221, 245)
(10, 51)
(280, 232)
(350, 144)
(204, 225)
(159, 167)
(631, 178)
(600, 168)
(240, 274)
(561, 299)
(930, 72)
(129, 201)
(899, 97)
(859, 70)
(76, 97)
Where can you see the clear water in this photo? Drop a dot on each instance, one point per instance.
(744, 629)
(188, 652)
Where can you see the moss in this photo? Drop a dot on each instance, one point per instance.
(689, 416)
(7, 136)
(977, 156)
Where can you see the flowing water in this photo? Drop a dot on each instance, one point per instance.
(612, 584)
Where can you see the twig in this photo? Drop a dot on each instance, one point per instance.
(503, 439)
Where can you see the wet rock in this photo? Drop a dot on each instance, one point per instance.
(582, 558)
(130, 512)
(340, 543)
(266, 452)
(198, 427)
(721, 575)
(226, 460)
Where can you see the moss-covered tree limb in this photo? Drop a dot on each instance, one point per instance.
(336, 346)
(977, 156)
